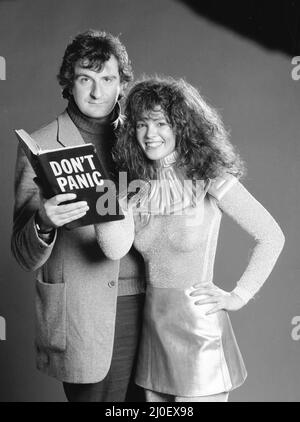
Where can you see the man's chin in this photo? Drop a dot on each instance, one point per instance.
(96, 114)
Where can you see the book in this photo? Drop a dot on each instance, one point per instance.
(76, 169)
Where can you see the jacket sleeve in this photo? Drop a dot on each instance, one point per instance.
(235, 200)
(30, 251)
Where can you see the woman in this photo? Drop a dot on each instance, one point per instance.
(176, 144)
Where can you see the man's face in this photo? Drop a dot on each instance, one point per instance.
(96, 93)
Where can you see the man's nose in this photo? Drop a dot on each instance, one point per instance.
(96, 91)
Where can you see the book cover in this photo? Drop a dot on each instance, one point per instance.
(77, 170)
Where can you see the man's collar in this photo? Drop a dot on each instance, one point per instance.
(69, 135)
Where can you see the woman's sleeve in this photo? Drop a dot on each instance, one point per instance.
(115, 238)
(235, 200)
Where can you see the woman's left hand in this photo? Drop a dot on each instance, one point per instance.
(222, 300)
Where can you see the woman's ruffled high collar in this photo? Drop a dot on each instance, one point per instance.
(169, 192)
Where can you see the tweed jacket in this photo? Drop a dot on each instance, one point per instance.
(76, 285)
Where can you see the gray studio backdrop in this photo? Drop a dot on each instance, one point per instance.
(260, 101)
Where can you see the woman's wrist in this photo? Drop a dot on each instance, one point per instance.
(242, 293)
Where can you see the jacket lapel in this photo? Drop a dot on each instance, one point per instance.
(67, 133)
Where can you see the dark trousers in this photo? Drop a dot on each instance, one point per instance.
(118, 385)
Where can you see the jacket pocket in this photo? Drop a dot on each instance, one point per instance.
(51, 316)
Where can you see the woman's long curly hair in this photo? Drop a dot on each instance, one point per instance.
(204, 150)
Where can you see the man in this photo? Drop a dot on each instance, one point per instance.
(88, 308)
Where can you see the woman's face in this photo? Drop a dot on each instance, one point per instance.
(154, 134)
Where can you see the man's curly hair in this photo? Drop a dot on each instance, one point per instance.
(202, 143)
(91, 49)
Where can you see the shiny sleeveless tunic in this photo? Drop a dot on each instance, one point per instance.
(184, 352)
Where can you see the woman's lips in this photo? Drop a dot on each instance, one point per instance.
(153, 145)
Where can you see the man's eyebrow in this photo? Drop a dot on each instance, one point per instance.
(82, 74)
(87, 75)
(109, 76)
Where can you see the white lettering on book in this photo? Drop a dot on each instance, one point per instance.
(77, 177)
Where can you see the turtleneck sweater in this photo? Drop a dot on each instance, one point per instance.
(101, 133)
(98, 131)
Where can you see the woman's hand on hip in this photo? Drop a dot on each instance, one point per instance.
(228, 301)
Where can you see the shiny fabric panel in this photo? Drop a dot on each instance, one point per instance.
(182, 349)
